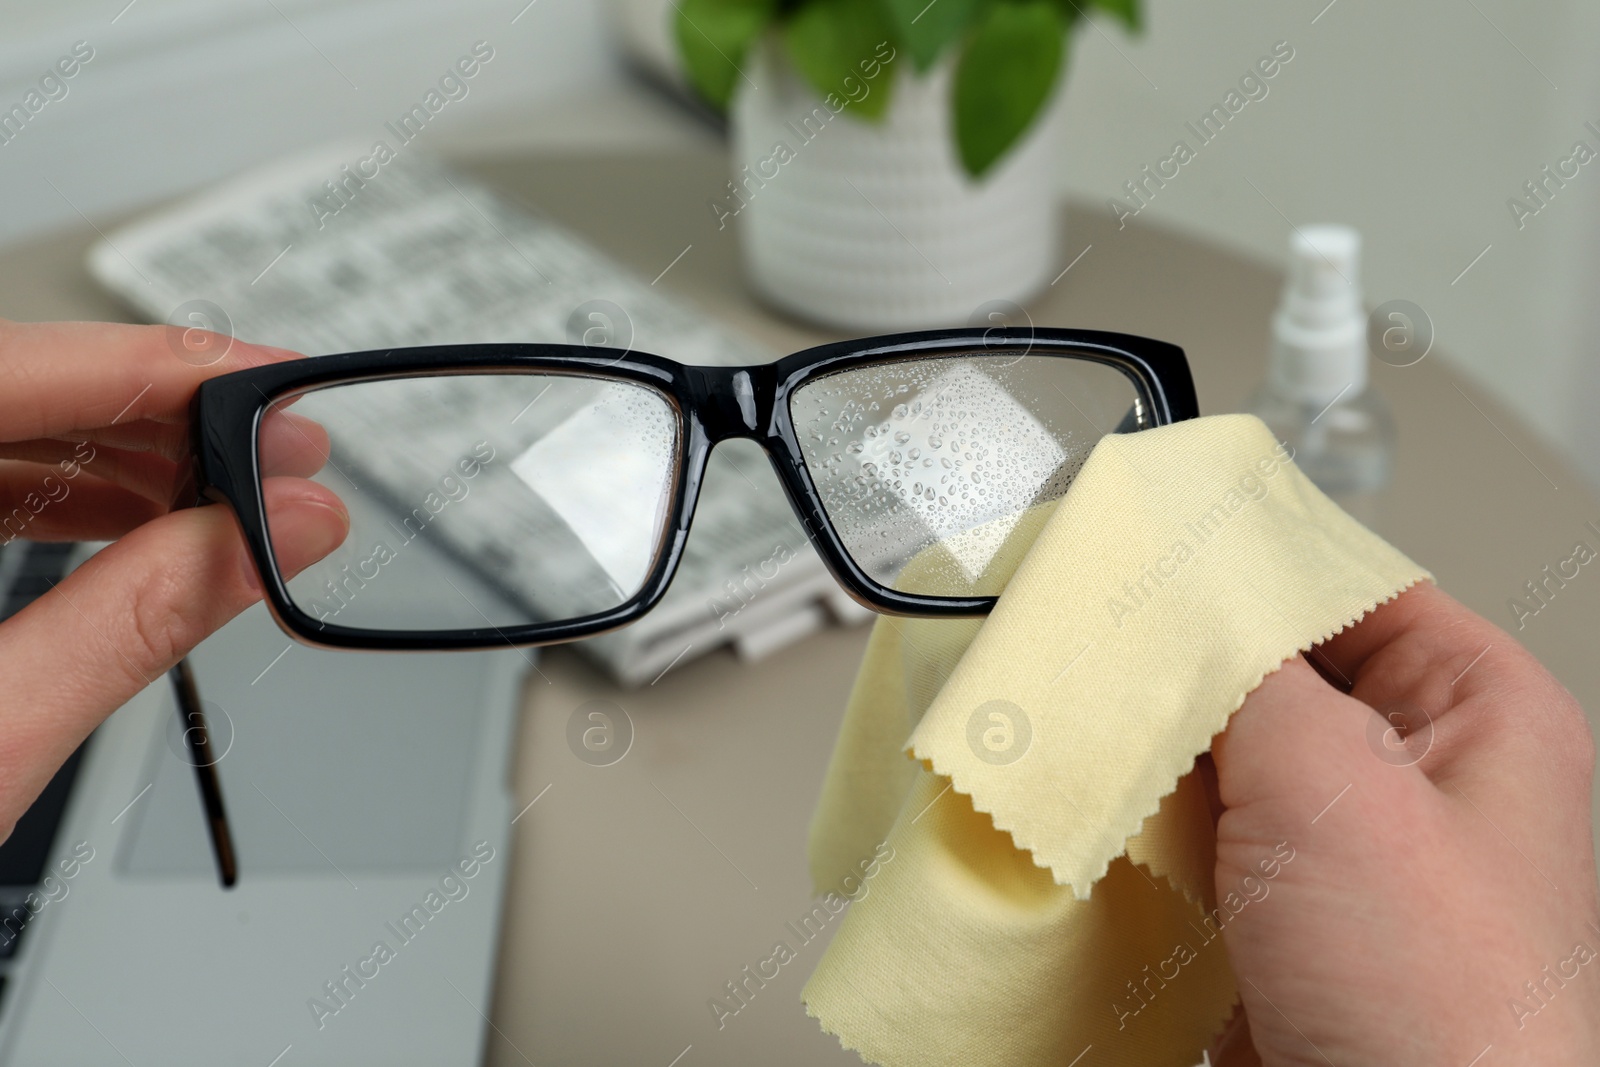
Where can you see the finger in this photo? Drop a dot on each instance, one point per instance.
(1466, 690)
(83, 509)
(292, 444)
(144, 473)
(169, 440)
(56, 377)
(1296, 744)
(302, 441)
(117, 623)
(1422, 630)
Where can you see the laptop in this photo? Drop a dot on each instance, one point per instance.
(371, 815)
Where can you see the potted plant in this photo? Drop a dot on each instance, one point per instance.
(893, 164)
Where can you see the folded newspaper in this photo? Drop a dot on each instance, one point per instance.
(300, 257)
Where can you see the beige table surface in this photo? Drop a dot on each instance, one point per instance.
(639, 889)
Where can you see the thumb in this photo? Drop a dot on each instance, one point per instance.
(126, 616)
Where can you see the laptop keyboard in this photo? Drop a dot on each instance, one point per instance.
(28, 570)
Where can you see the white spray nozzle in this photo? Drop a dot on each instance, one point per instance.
(1326, 262)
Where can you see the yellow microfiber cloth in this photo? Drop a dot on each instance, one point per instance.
(1036, 882)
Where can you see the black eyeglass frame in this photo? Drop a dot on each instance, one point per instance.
(713, 404)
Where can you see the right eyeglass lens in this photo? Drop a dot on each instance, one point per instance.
(479, 500)
(937, 473)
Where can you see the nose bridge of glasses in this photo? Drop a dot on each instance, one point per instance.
(733, 401)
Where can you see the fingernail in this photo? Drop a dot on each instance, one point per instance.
(304, 531)
(325, 529)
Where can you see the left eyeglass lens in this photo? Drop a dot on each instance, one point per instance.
(479, 500)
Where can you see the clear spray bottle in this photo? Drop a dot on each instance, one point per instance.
(1316, 398)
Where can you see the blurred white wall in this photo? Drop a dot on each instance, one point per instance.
(1414, 121)
(182, 92)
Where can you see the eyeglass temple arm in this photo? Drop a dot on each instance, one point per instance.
(1134, 420)
(196, 731)
(197, 736)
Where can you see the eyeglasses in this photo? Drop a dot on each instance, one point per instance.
(564, 477)
(529, 494)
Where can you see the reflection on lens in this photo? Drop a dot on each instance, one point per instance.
(483, 500)
(937, 473)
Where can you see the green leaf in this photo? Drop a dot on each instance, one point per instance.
(1005, 75)
(1126, 11)
(927, 27)
(841, 48)
(1071, 11)
(713, 37)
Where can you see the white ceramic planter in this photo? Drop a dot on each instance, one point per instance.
(875, 226)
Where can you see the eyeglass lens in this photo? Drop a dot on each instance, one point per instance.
(479, 500)
(936, 473)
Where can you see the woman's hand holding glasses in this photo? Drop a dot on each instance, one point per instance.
(94, 438)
